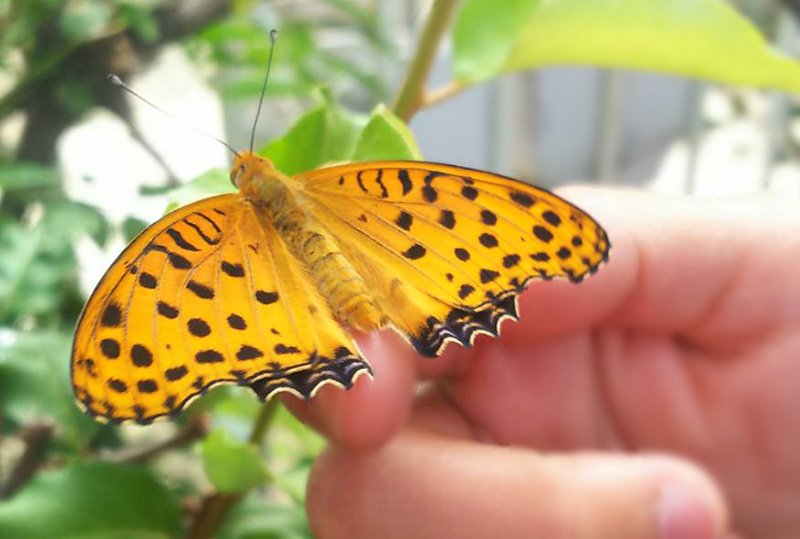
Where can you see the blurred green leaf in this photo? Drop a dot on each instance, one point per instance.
(37, 263)
(139, 19)
(325, 134)
(35, 384)
(210, 183)
(84, 19)
(131, 227)
(232, 465)
(259, 518)
(24, 176)
(695, 38)
(66, 220)
(97, 500)
(385, 137)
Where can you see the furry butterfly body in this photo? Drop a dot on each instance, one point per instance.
(259, 288)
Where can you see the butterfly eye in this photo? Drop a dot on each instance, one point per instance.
(237, 175)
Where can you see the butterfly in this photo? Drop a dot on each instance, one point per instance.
(260, 287)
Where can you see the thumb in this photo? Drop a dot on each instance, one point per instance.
(426, 485)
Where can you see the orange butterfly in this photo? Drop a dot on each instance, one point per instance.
(257, 288)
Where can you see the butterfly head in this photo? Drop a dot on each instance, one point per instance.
(246, 165)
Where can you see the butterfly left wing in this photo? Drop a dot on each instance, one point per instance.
(207, 295)
(447, 249)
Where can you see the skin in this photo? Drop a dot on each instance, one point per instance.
(660, 398)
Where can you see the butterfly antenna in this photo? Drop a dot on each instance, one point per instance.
(116, 81)
(273, 37)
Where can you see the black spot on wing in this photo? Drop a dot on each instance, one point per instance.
(488, 218)
(112, 315)
(429, 194)
(283, 349)
(488, 240)
(404, 220)
(176, 373)
(141, 355)
(405, 181)
(415, 252)
(200, 290)
(166, 310)
(465, 291)
(447, 219)
(198, 327)
(208, 356)
(233, 270)
(247, 352)
(551, 217)
(110, 348)
(542, 233)
(236, 322)
(469, 192)
(147, 281)
(523, 199)
(379, 181)
(509, 261)
(117, 385)
(147, 386)
(487, 276)
(266, 298)
(179, 240)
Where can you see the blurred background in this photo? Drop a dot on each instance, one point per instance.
(84, 167)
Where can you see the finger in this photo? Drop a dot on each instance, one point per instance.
(425, 485)
(367, 415)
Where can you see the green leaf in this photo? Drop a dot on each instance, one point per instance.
(232, 465)
(323, 135)
(210, 183)
(385, 137)
(24, 176)
(259, 518)
(140, 20)
(695, 38)
(35, 385)
(37, 264)
(132, 227)
(84, 19)
(97, 500)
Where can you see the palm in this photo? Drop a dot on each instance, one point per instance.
(687, 343)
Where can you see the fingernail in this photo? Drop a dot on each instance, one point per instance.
(683, 514)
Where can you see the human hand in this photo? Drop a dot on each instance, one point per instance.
(660, 398)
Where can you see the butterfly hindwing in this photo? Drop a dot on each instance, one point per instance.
(207, 295)
(449, 248)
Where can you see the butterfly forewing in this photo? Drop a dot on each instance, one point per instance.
(459, 241)
(207, 295)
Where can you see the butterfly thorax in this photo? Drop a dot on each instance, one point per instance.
(281, 205)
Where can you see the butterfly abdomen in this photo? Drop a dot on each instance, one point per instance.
(336, 279)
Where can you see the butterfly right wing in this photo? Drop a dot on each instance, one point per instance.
(208, 294)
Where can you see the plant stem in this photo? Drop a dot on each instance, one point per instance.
(195, 429)
(412, 92)
(214, 507)
(36, 438)
(443, 93)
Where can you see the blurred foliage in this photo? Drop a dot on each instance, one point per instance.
(89, 479)
(696, 38)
